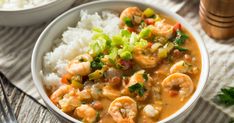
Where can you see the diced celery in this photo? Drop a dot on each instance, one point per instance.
(149, 12)
(76, 84)
(126, 55)
(161, 39)
(169, 46)
(145, 33)
(96, 75)
(162, 53)
(155, 47)
(157, 18)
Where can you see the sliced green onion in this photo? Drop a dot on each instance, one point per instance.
(96, 29)
(113, 53)
(125, 33)
(126, 55)
(142, 43)
(116, 40)
(155, 47)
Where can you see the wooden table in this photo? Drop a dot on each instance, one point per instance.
(26, 109)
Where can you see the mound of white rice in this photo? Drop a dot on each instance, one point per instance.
(75, 41)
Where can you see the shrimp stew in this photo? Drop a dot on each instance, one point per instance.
(143, 74)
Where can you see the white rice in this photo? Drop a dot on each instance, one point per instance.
(21, 4)
(75, 41)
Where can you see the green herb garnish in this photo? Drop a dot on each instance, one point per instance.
(226, 96)
(138, 87)
(180, 38)
(128, 21)
(97, 63)
(145, 76)
(180, 48)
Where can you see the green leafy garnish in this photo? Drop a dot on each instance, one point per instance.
(138, 87)
(226, 96)
(97, 63)
(180, 48)
(128, 21)
(145, 76)
(180, 38)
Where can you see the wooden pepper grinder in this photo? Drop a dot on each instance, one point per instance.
(217, 18)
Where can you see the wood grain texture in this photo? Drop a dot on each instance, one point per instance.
(26, 109)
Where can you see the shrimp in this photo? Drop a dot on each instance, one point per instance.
(133, 13)
(123, 109)
(80, 65)
(60, 92)
(180, 67)
(144, 60)
(66, 98)
(87, 113)
(110, 92)
(163, 29)
(136, 78)
(179, 83)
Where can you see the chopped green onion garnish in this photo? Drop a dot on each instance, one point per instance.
(126, 55)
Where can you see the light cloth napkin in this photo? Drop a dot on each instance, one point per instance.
(16, 45)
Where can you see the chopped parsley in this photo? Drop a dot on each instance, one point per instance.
(180, 48)
(180, 38)
(138, 88)
(128, 21)
(226, 96)
(145, 76)
(97, 63)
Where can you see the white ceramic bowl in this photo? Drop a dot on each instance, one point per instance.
(39, 14)
(70, 17)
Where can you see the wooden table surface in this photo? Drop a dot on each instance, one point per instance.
(26, 109)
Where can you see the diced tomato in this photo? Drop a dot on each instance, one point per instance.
(131, 29)
(173, 93)
(150, 44)
(176, 27)
(149, 21)
(126, 64)
(65, 78)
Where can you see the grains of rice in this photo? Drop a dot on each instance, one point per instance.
(75, 41)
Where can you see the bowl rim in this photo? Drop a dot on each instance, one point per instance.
(32, 9)
(201, 45)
